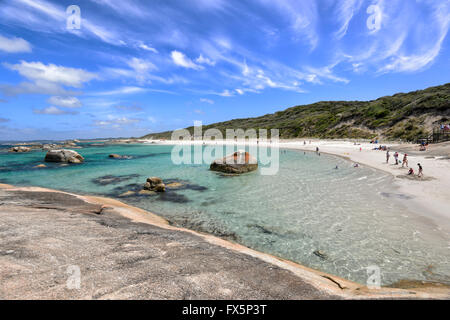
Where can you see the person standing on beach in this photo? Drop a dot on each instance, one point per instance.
(420, 174)
(396, 157)
(387, 156)
(405, 160)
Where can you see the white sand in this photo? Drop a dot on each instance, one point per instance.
(430, 198)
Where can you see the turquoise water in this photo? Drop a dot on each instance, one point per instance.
(352, 215)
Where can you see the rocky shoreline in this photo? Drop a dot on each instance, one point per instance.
(127, 253)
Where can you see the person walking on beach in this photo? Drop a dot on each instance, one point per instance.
(396, 157)
(420, 174)
(387, 156)
(405, 160)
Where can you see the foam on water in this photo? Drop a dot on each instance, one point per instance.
(352, 215)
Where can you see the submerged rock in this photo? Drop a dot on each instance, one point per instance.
(236, 163)
(155, 184)
(127, 194)
(20, 149)
(64, 155)
(110, 179)
(321, 254)
(146, 192)
(174, 185)
(118, 156)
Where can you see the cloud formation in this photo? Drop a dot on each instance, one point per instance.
(181, 60)
(54, 111)
(67, 102)
(14, 45)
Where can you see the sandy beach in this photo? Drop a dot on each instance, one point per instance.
(428, 197)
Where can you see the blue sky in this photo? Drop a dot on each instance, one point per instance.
(136, 67)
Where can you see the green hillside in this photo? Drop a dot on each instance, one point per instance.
(402, 116)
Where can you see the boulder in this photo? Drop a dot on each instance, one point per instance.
(146, 192)
(155, 184)
(236, 163)
(64, 155)
(51, 146)
(20, 149)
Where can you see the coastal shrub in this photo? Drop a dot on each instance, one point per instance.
(391, 116)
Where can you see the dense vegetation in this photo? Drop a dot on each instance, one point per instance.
(403, 116)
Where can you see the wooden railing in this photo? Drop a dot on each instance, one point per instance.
(438, 135)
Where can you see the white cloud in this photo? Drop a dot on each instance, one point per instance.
(430, 48)
(206, 100)
(49, 17)
(346, 10)
(123, 90)
(145, 47)
(129, 90)
(67, 102)
(37, 87)
(302, 15)
(53, 111)
(141, 69)
(226, 93)
(141, 66)
(14, 45)
(116, 122)
(128, 9)
(203, 60)
(181, 60)
(37, 71)
(324, 72)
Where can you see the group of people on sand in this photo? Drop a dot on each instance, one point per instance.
(404, 163)
(380, 147)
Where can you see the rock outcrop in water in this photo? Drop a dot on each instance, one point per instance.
(236, 163)
(155, 184)
(118, 156)
(20, 149)
(64, 155)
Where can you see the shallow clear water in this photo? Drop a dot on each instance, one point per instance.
(350, 214)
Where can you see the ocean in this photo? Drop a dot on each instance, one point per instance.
(346, 221)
